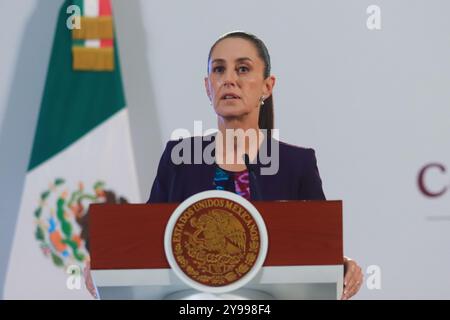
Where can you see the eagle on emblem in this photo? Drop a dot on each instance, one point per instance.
(220, 232)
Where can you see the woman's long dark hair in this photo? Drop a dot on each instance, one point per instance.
(266, 115)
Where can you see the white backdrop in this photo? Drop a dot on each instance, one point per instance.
(375, 105)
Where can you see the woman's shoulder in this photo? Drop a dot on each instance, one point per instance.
(299, 161)
(289, 158)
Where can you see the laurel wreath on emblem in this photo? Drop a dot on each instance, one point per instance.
(62, 229)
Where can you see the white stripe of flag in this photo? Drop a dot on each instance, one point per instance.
(92, 9)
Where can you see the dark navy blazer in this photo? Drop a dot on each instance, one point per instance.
(297, 177)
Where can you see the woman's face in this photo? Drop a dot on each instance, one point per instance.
(235, 81)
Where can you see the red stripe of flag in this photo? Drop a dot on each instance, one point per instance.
(105, 10)
(104, 43)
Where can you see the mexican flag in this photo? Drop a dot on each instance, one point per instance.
(81, 154)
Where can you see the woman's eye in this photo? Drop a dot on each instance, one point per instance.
(243, 69)
(218, 69)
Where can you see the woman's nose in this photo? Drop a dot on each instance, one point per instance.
(230, 78)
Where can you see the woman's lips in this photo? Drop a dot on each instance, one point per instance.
(229, 96)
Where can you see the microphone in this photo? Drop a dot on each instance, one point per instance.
(254, 185)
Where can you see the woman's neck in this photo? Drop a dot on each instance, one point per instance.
(237, 123)
(236, 139)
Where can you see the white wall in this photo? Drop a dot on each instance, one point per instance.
(374, 105)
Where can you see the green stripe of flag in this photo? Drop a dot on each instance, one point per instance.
(78, 42)
(73, 102)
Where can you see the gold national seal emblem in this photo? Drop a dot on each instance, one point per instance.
(215, 241)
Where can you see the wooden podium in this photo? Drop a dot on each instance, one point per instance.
(304, 258)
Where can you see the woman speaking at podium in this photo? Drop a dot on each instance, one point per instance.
(239, 85)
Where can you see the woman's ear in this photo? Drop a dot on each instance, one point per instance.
(269, 83)
(208, 91)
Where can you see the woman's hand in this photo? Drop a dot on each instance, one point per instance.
(88, 280)
(353, 278)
